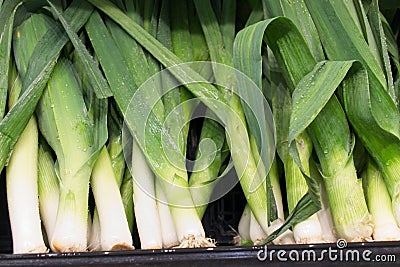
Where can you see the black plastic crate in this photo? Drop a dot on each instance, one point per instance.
(222, 256)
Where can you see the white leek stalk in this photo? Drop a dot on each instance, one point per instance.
(324, 214)
(49, 191)
(345, 191)
(169, 237)
(122, 175)
(257, 235)
(22, 187)
(285, 238)
(146, 212)
(70, 234)
(114, 228)
(188, 226)
(308, 231)
(191, 233)
(380, 205)
(325, 219)
(94, 233)
(22, 193)
(89, 226)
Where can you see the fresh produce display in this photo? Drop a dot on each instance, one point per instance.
(123, 120)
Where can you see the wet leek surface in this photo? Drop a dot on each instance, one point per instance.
(213, 127)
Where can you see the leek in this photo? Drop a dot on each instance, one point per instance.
(127, 198)
(22, 169)
(375, 115)
(257, 235)
(192, 230)
(37, 73)
(168, 232)
(247, 170)
(351, 221)
(207, 165)
(244, 225)
(22, 181)
(205, 92)
(73, 144)
(146, 212)
(94, 232)
(380, 205)
(309, 230)
(114, 228)
(324, 214)
(49, 190)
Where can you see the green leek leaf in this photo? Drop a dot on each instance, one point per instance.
(96, 79)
